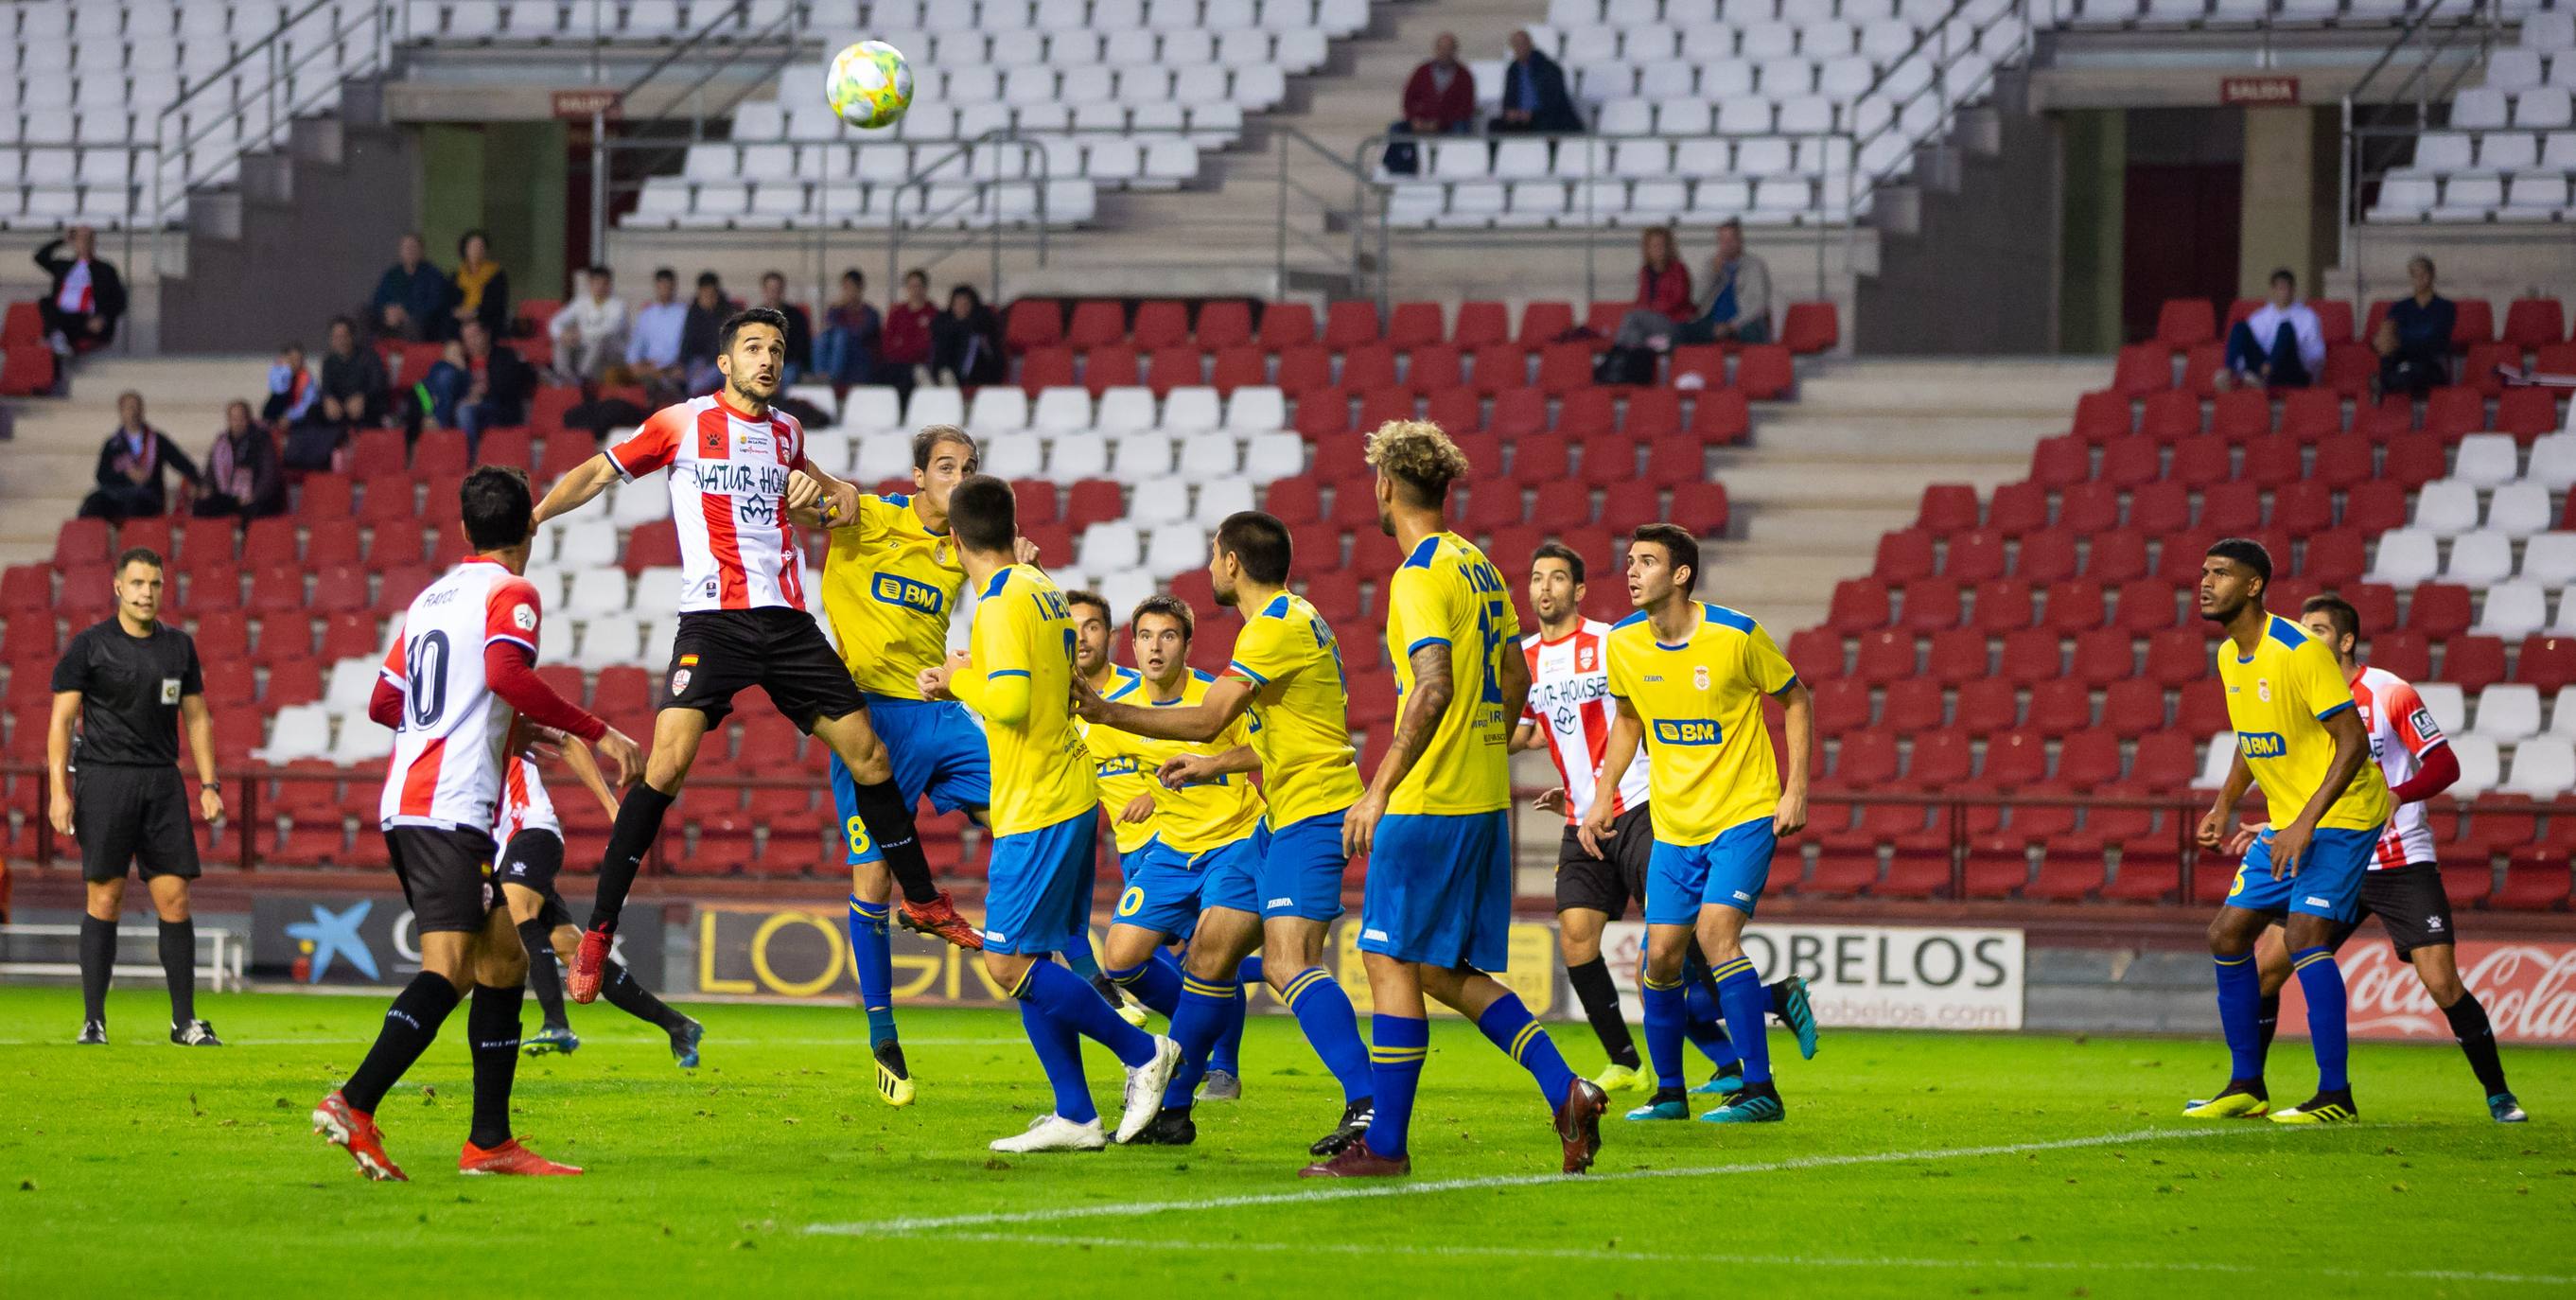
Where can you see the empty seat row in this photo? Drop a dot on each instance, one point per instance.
(668, 203)
(1775, 201)
(1208, 125)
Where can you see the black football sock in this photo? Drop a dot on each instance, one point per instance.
(639, 822)
(2477, 1041)
(179, 969)
(1600, 998)
(634, 999)
(492, 1032)
(882, 810)
(543, 975)
(411, 1025)
(97, 961)
(2266, 1022)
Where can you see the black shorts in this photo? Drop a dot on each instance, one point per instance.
(531, 860)
(2410, 905)
(720, 652)
(446, 877)
(1583, 880)
(133, 816)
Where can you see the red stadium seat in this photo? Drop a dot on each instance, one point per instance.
(1587, 413)
(2200, 367)
(1700, 507)
(2548, 662)
(2474, 663)
(1885, 656)
(1956, 655)
(2241, 414)
(1810, 327)
(1841, 707)
(2146, 605)
(1518, 412)
(1287, 324)
(2102, 415)
(2170, 416)
(1904, 556)
(1564, 367)
(1239, 366)
(2102, 656)
(1305, 368)
(2003, 605)
(1986, 705)
(2160, 507)
(2232, 508)
(1224, 323)
(1947, 508)
(2142, 368)
(1720, 416)
(1480, 323)
(1764, 372)
(2017, 509)
(1434, 367)
(1175, 366)
(1109, 365)
(1974, 557)
(1859, 605)
(1161, 323)
(2533, 323)
(2527, 413)
(1097, 322)
(1033, 323)
(2350, 368)
(1414, 324)
(1367, 367)
(2185, 322)
(1050, 366)
(2200, 461)
(1350, 323)
(1498, 366)
(2472, 322)
(2117, 557)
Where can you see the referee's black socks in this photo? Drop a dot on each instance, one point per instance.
(492, 1032)
(179, 969)
(2469, 1024)
(411, 1025)
(882, 810)
(639, 822)
(97, 961)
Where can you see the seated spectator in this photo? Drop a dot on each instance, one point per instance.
(800, 326)
(412, 297)
(354, 386)
(242, 470)
(1534, 94)
(130, 465)
(966, 343)
(293, 388)
(589, 332)
(2414, 339)
(698, 333)
(1439, 99)
(482, 287)
(496, 394)
(653, 341)
(441, 390)
(905, 342)
(846, 353)
(1663, 292)
(2280, 346)
(1738, 306)
(86, 299)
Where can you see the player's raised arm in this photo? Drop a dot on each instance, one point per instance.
(1227, 699)
(1191, 769)
(576, 489)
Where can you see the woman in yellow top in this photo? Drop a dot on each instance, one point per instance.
(482, 287)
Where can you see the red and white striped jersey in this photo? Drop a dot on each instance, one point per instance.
(447, 749)
(728, 499)
(1570, 697)
(525, 805)
(2401, 732)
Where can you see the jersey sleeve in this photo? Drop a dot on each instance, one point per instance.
(2414, 724)
(2318, 681)
(1263, 653)
(1614, 662)
(1001, 642)
(192, 676)
(71, 672)
(511, 613)
(1422, 610)
(1764, 664)
(651, 447)
(392, 668)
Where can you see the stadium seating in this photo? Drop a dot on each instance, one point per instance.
(2507, 151)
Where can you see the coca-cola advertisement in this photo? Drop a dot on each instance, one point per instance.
(2528, 989)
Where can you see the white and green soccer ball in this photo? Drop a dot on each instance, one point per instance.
(869, 84)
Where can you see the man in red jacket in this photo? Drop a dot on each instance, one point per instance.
(1439, 99)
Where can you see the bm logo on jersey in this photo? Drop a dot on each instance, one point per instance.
(1122, 765)
(894, 589)
(1688, 731)
(2262, 744)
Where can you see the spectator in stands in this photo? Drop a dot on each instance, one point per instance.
(496, 394)
(2414, 339)
(293, 388)
(81, 307)
(354, 387)
(2280, 346)
(589, 332)
(1738, 306)
(242, 470)
(482, 287)
(846, 354)
(1663, 292)
(800, 326)
(1534, 94)
(905, 342)
(441, 389)
(966, 343)
(130, 465)
(1439, 99)
(698, 333)
(411, 299)
(653, 343)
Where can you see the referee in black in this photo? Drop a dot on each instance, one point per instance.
(131, 681)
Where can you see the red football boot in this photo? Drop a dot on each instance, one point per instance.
(511, 1158)
(582, 981)
(355, 1131)
(938, 918)
(1578, 1124)
(1357, 1161)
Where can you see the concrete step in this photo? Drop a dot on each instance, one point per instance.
(50, 460)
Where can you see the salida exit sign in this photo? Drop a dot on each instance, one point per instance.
(2258, 90)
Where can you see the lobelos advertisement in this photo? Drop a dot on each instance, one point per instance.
(1870, 976)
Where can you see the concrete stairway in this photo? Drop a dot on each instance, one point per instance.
(1822, 478)
(46, 468)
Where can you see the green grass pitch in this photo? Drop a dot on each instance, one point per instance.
(1911, 1165)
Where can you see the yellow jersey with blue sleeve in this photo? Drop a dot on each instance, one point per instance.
(1042, 774)
(2278, 699)
(1701, 703)
(1195, 818)
(890, 587)
(1446, 593)
(1301, 726)
(1118, 771)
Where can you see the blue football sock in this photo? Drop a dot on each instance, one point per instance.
(1060, 1055)
(1156, 981)
(2322, 981)
(1395, 1062)
(1228, 1052)
(1323, 1010)
(1071, 1001)
(1741, 995)
(874, 956)
(1512, 1028)
(2240, 1011)
(1705, 1025)
(1664, 1017)
(1080, 959)
(1198, 1025)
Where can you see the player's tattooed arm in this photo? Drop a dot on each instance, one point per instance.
(1189, 769)
(1424, 706)
(1227, 698)
(1627, 732)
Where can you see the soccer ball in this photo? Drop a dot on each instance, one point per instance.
(869, 84)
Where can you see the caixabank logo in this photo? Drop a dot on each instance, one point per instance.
(375, 939)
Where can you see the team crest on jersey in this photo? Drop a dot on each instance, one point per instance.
(1699, 677)
(679, 681)
(711, 442)
(2263, 689)
(1583, 658)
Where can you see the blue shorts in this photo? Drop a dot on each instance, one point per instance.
(1301, 870)
(1440, 890)
(1037, 895)
(938, 751)
(1167, 889)
(2329, 879)
(1728, 871)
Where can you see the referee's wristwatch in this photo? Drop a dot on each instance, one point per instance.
(216, 786)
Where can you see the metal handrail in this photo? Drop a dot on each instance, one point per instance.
(2354, 171)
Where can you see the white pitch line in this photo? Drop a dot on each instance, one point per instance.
(712, 1041)
(1056, 1214)
(1797, 1261)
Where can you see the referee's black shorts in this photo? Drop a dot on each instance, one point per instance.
(720, 652)
(1607, 885)
(133, 816)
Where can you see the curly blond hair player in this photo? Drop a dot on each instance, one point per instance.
(1419, 457)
